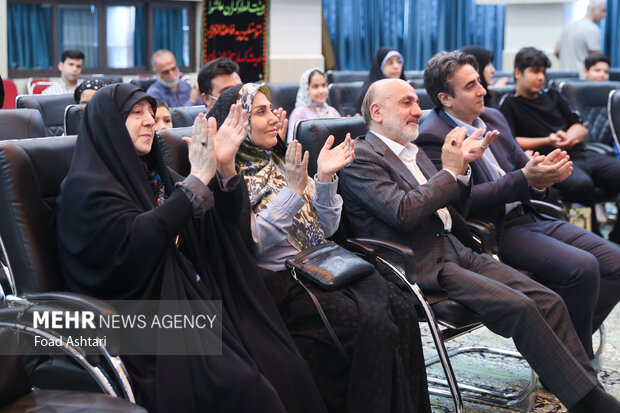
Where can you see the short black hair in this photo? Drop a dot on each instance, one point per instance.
(217, 67)
(439, 71)
(593, 59)
(71, 54)
(531, 57)
(160, 102)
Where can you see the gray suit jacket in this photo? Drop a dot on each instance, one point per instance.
(382, 199)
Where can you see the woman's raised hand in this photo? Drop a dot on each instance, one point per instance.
(282, 122)
(331, 160)
(227, 140)
(201, 148)
(296, 167)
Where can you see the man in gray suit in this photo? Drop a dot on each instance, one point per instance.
(393, 191)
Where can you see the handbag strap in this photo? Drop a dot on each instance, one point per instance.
(328, 326)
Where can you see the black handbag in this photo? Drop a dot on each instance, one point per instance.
(329, 267)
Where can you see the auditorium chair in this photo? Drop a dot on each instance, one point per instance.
(21, 123)
(31, 171)
(613, 115)
(590, 100)
(283, 95)
(504, 73)
(143, 84)
(184, 116)
(414, 75)
(424, 100)
(10, 93)
(498, 92)
(38, 87)
(614, 73)
(73, 118)
(551, 74)
(346, 76)
(446, 318)
(173, 149)
(343, 97)
(52, 108)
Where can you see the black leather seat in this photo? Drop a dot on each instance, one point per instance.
(143, 84)
(31, 171)
(424, 100)
(52, 108)
(343, 96)
(184, 116)
(21, 123)
(590, 99)
(414, 75)
(551, 74)
(174, 150)
(498, 92)
(346, 76)
(283, 95)
(73, 118)
(504, 73)
(614, 73)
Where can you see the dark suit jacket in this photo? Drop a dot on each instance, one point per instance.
(382, 199)
(488, 197)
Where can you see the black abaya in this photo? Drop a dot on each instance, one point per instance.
(116, 243)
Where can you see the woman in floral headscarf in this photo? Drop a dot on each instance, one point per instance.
(381, 367)
(311, 100)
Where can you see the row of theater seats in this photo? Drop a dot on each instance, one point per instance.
(31, 171)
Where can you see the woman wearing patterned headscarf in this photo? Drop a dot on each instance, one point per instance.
(383, 368)
(311, 100)
(130, 228)
(85, 91)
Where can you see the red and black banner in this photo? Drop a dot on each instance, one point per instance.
(237, 29)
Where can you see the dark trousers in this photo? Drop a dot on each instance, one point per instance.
(583, 268)
(512, 305)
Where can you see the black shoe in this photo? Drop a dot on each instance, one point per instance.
(596, 401)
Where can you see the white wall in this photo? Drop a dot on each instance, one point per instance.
(294, 39)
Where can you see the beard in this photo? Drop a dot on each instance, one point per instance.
(169, 83)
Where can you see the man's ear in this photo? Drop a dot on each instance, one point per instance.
(376, 113)
(518, 73)
(204, 97)
(444, 98)
(60, 66)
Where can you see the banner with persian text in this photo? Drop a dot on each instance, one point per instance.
(237, 29)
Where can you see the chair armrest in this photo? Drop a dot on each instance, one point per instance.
(405, 253)
(600, 148)
(485, 234)
(547, 208)
(366, 251)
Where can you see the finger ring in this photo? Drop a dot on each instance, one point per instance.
(483, 146)
(203, 143)
(297, 165)
(453, 142)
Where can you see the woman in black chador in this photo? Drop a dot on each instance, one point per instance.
(381, 366)
(130, 228)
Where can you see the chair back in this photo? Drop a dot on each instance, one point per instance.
(174, 150)
(283, 95)
(613, 115)
(52, 108)
(424, 100)
(31, 171)
(498, 92)
(312, 134)
(504, 73)
(183, 116)
(73, 118)
(560, 74)
(346, 76)
(21, 123)
(414, 75)
(590, 99)
(37, 88)
(343, 96)
(10, 93)
(143, 84)
(614, 73)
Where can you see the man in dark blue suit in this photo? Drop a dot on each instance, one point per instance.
(580, 266)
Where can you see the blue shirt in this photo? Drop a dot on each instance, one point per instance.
(173, 99)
